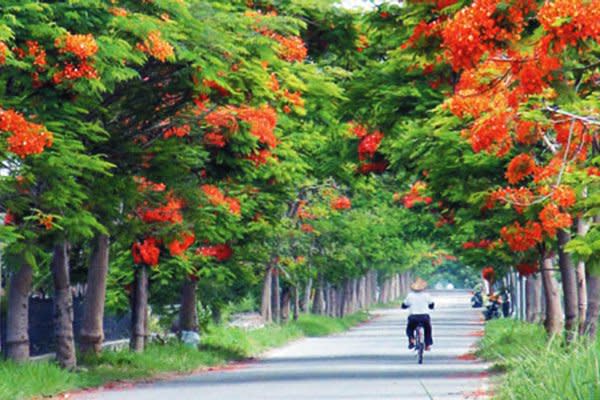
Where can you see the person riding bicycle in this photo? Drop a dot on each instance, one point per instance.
(419, 303)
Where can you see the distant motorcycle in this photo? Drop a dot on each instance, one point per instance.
(477, 300)
(492, 311)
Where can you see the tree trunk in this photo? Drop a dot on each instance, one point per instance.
(296, 303)
(188, 312)
(266, 309)
(582, 296)
(362, 294)
(139, 309)
(307, 295)
(92, 330)
(533, 290)
(17, 319)
(569, 284)
(553, 322)
(593, 308)
(286, 298)
(63, 307)
(340, 300)
(318, 306)
(276, 296)
(374, 287)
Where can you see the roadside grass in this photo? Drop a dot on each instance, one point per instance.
(220, 345)
(540, 369)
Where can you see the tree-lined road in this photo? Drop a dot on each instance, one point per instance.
(369, 362)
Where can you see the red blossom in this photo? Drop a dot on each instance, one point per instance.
(177, 247)
(341, 203)
(146, 252)
(222, 252)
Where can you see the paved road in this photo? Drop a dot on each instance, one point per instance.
(368, 362)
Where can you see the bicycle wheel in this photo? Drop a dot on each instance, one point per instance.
(420, 344)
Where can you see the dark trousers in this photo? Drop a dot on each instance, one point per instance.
(416, 319)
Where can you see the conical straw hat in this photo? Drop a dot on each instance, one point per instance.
(418, 285)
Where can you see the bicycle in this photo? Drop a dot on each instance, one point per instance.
(420, 342)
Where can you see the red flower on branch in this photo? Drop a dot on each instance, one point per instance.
(146, 252)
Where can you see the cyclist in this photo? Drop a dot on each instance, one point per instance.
(419, 303)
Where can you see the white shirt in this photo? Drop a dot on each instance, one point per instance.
(418, 302)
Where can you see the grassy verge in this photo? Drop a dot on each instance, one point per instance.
(538, 369)
(219, 346)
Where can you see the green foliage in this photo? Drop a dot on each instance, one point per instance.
(537, 369)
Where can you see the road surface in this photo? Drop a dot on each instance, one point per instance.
(369, 362)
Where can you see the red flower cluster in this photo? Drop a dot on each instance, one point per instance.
(569, 21)
(215, 139)
(217, 198)
(147, 252)
(362, 43)
(491, 134)
(262, 123)
(3, 52)
(170, 212)
(222, 252)
(375, 166)
(178, 131)
(527, 132)
(553, 219)
(307, 228)
(261, 157)
(482, 244)
(522, 238)
(527, 268)
(488, 274)
(144, 184)
(291, 48)
(564, 196)
(215, 86)
(39, 54)
(415, 195)
(302, 213)
(177, 247)
(341, 203)
(368, 145)
(25, 138)
(480, 28)
(81, 46)
(73, 72)
(520, 198)
(9, 218)
(156, 46)
(520, 167)
(360, 131)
